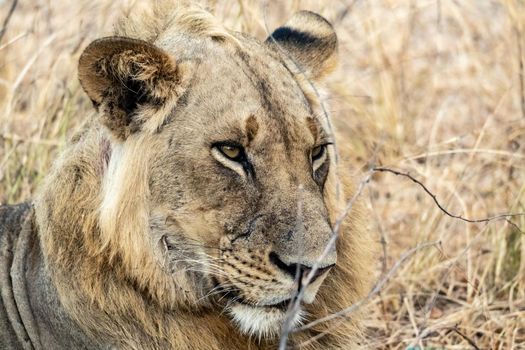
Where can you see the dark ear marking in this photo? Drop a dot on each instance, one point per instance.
(295, 36)
(309, 40)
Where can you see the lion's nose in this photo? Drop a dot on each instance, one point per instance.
(298, 269)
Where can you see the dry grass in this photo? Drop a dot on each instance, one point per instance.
(432, 87)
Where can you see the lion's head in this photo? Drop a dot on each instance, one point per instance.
(212, 169)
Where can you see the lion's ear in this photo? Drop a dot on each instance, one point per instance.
(310, 41)
(122, 76)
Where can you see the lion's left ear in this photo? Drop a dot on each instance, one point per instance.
(124, 76)
(309, 40)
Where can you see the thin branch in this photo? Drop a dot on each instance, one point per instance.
(440, 206)
(470, 341)
(404, 257)
(303, 282)
(515, 226)
(377, 288)
(8, 18)
(295, 305)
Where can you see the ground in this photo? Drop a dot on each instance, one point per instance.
(432, 88)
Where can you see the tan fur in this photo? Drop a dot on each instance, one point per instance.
(117, 202)
(150, 23)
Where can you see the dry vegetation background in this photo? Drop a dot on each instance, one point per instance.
(434, 88)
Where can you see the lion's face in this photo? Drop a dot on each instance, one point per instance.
(243, 171)
(237, 181)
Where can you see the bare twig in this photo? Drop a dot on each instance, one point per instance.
(296, 303)
(470, 341)
(513, 224)
(8, 18)
(434, 198)
(377, 288)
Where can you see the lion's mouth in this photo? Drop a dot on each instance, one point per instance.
(264, 320)
(257, 318)
(282, 306)
(233, 297)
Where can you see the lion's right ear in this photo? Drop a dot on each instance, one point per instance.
(308, 39)
(124, 76)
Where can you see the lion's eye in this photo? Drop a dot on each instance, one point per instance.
(232, 155)
(318, 152)
(319, 155)
(231, 152)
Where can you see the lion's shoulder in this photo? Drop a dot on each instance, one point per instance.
(12, 331)
(12, 217)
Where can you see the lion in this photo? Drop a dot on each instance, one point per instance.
(197, 205)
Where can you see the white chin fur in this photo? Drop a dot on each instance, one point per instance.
(262, 322)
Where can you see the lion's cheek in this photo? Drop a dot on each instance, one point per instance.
(201, 226)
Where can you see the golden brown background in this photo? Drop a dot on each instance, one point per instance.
(434, 88)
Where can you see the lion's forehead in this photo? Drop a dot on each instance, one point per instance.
(248, 80)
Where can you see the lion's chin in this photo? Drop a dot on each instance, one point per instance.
(261, 321)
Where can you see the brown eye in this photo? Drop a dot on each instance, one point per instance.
(231, 152)
(317, 152)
